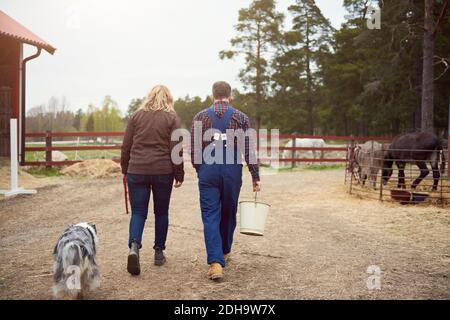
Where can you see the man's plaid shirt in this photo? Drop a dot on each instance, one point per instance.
(239, 120)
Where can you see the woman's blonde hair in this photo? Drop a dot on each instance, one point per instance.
(159, 99)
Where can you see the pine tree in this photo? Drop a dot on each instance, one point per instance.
(298, 61)
(77, 119)
(258, 29)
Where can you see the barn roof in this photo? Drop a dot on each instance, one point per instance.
(13, 29)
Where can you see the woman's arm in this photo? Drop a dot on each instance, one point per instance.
(127, 145)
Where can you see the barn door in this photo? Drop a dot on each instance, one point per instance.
(5, 116)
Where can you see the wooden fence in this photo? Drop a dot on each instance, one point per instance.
(50, 146)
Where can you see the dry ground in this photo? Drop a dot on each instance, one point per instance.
(318, 244)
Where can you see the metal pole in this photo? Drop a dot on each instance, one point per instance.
(381, 182)
(351, 184)
(23, 107)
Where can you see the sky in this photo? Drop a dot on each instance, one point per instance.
(123, 48)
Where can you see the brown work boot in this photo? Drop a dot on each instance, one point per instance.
(215, 272)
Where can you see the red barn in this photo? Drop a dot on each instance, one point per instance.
(13, 36)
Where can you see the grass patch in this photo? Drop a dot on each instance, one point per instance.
(324, 167)
(44, 172)
(289, 169)
(75, 156)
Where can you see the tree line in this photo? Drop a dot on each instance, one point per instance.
(311, 78)
(55, 116)
(301, 75)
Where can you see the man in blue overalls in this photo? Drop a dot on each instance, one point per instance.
(220, 178)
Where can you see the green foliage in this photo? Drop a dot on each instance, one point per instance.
(188, 107)
(44, 172)
(347, 81)
(311, 78)
(373, 79)
(324, 167)
(107, 119)
(258, 30)
(90, 123)
(297, 75)
(77, 119)
(133, 107)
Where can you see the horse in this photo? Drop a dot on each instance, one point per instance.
(416, 148)
(304, 143)
(369, 161)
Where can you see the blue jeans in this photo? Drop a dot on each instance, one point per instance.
(140, 188)
(220, 186)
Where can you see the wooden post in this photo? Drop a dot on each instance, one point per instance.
(294, 143)
(48, 151)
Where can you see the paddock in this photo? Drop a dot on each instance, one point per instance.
(391, 192)
(319, 243)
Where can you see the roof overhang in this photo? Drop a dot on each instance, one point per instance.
(12, 29)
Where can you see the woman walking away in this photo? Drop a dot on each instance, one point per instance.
(148, 168)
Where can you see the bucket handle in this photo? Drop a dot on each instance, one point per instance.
(256, 197)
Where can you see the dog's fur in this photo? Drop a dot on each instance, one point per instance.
(75, 256)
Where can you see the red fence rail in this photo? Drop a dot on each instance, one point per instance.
(49, 146)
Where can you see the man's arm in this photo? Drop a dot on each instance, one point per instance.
(250, 154)
(195, 146)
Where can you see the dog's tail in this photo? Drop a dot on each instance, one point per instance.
(71, 257)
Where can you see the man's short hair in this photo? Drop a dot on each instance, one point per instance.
(221, 90)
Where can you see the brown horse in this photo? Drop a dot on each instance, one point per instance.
(416, 148)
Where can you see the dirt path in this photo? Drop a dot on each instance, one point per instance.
(319, 243)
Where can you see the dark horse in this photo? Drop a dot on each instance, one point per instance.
(419, 149)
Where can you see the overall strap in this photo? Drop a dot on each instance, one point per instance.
(221, 124)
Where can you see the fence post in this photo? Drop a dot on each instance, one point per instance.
(48, 151)
(381, 181)
(294, 142)
(347, 165)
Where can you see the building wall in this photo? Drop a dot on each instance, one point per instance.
(10, 58)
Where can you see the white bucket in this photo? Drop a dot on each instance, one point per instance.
(253, 217)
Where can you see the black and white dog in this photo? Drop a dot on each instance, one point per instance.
(75, 270)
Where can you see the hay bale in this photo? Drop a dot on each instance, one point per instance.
(97, 168)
